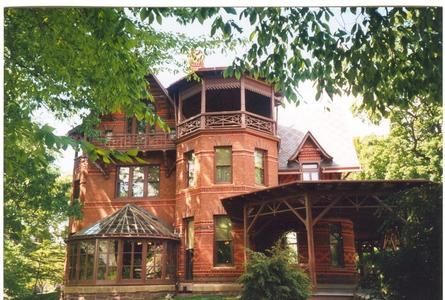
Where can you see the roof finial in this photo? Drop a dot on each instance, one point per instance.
(196, 60)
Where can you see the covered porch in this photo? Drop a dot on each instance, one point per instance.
(333, 221)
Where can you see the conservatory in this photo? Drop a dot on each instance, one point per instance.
(130, 246)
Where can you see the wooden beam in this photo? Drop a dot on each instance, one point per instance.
(389, 208)
(310, 241)
(325, 210)
(255, 218)
(295, 212)
(263, 226)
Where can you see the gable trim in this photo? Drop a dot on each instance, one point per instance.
(307, 136)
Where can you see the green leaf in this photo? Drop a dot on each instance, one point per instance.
(230, 10)
(133, 152)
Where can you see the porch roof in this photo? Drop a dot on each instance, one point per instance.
(234, 205)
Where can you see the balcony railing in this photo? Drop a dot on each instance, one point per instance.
(237, 119)
(143, 142)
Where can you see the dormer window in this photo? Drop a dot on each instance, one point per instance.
(310, 172)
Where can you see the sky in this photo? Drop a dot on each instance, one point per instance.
(308, 115)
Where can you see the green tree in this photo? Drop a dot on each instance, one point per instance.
(413, 270)
(274, 276)
(413, 148)
(67, 61)
(391, 57)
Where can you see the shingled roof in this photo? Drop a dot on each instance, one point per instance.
(129, 221)
(343, 153)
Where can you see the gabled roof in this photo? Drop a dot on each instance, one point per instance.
(129, 221)
(307, 136)
(344, 156)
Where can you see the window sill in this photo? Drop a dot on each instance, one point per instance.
(224, 267)
(137, 198)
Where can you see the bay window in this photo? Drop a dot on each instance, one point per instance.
(121, 260)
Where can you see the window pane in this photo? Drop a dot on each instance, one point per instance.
(126, 259)
(137, 260)
(138, 182)
(72, 261)
(223, 174)
(153, 173)
(112, 259)
(259, 176)
(223, 229)
(259, 159)
(224, 252)
(190, 169)
(336, 245)
(87, 260)
(292, 243)
(153, 180)
(306, 176)
(153, 260)
(314, 175)
(102, 259)
(124, 176)
(153, 189)
(141, 125)
(190, 234)
(223, 156)
(310, 166)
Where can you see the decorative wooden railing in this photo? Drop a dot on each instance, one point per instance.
(237, 119)
(143, 142)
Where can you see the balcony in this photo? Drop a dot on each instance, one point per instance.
(143, 142)
(216, 120)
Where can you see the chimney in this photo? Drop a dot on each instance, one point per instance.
(196, 60)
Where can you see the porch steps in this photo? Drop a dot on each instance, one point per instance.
(334, 292)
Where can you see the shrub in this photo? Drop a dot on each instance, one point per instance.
(272, 276)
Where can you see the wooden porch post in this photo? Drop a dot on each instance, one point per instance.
(203, 103)
(310, 240)
(243, 103)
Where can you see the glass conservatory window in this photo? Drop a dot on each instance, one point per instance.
(72, 256)
(107, 260)
(125, 259)
(132, 259)
(153, 262)
(87, 249)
